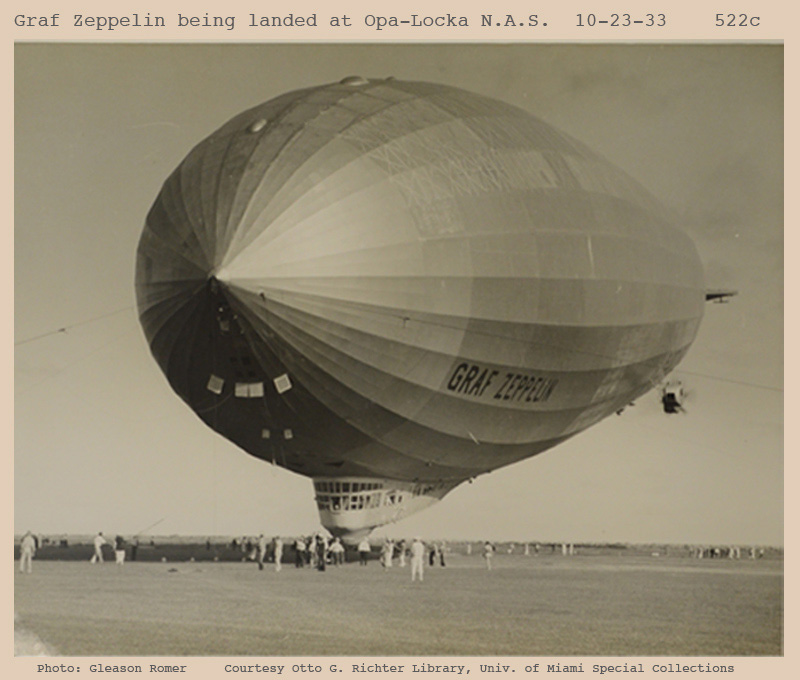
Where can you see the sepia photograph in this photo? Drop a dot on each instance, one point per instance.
(398, 350)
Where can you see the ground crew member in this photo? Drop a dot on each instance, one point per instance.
(337, 551)
(27, 550)
(299, 550)
(417, 558)
(363, 551)
(119, 549)
(488, 551)
(262, 550)
(99, 542)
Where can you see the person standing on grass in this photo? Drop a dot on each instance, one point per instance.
(417, 558)
(262, 551)
(277, 552)
(99, 542)
(27, 550)
(299, 552)
(321, 551)
(488, 551)
(363, 551)
(337, 552)
(119, 550)
(311, 553)
(387, 553)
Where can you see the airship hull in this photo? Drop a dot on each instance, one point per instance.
(408, 282)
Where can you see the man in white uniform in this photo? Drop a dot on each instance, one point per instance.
(488, 551)
(99, 542)
(337, 551)
(363, 551)
(417, 558)
(27, 549)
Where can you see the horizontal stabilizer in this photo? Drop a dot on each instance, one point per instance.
(720, 296)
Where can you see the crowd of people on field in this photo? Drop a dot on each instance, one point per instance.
(319, 551)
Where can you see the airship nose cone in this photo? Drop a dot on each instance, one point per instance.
(222, 274)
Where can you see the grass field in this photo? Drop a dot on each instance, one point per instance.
(532, 606)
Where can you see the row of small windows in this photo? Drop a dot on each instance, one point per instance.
(424, 489)
(287, 434)
(250, 390)
(358, 502)
(346, 487)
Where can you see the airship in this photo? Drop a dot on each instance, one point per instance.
(393, 287)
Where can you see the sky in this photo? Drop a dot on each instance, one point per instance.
(102, 444)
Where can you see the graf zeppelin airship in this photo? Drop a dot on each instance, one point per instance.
(393, 287)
